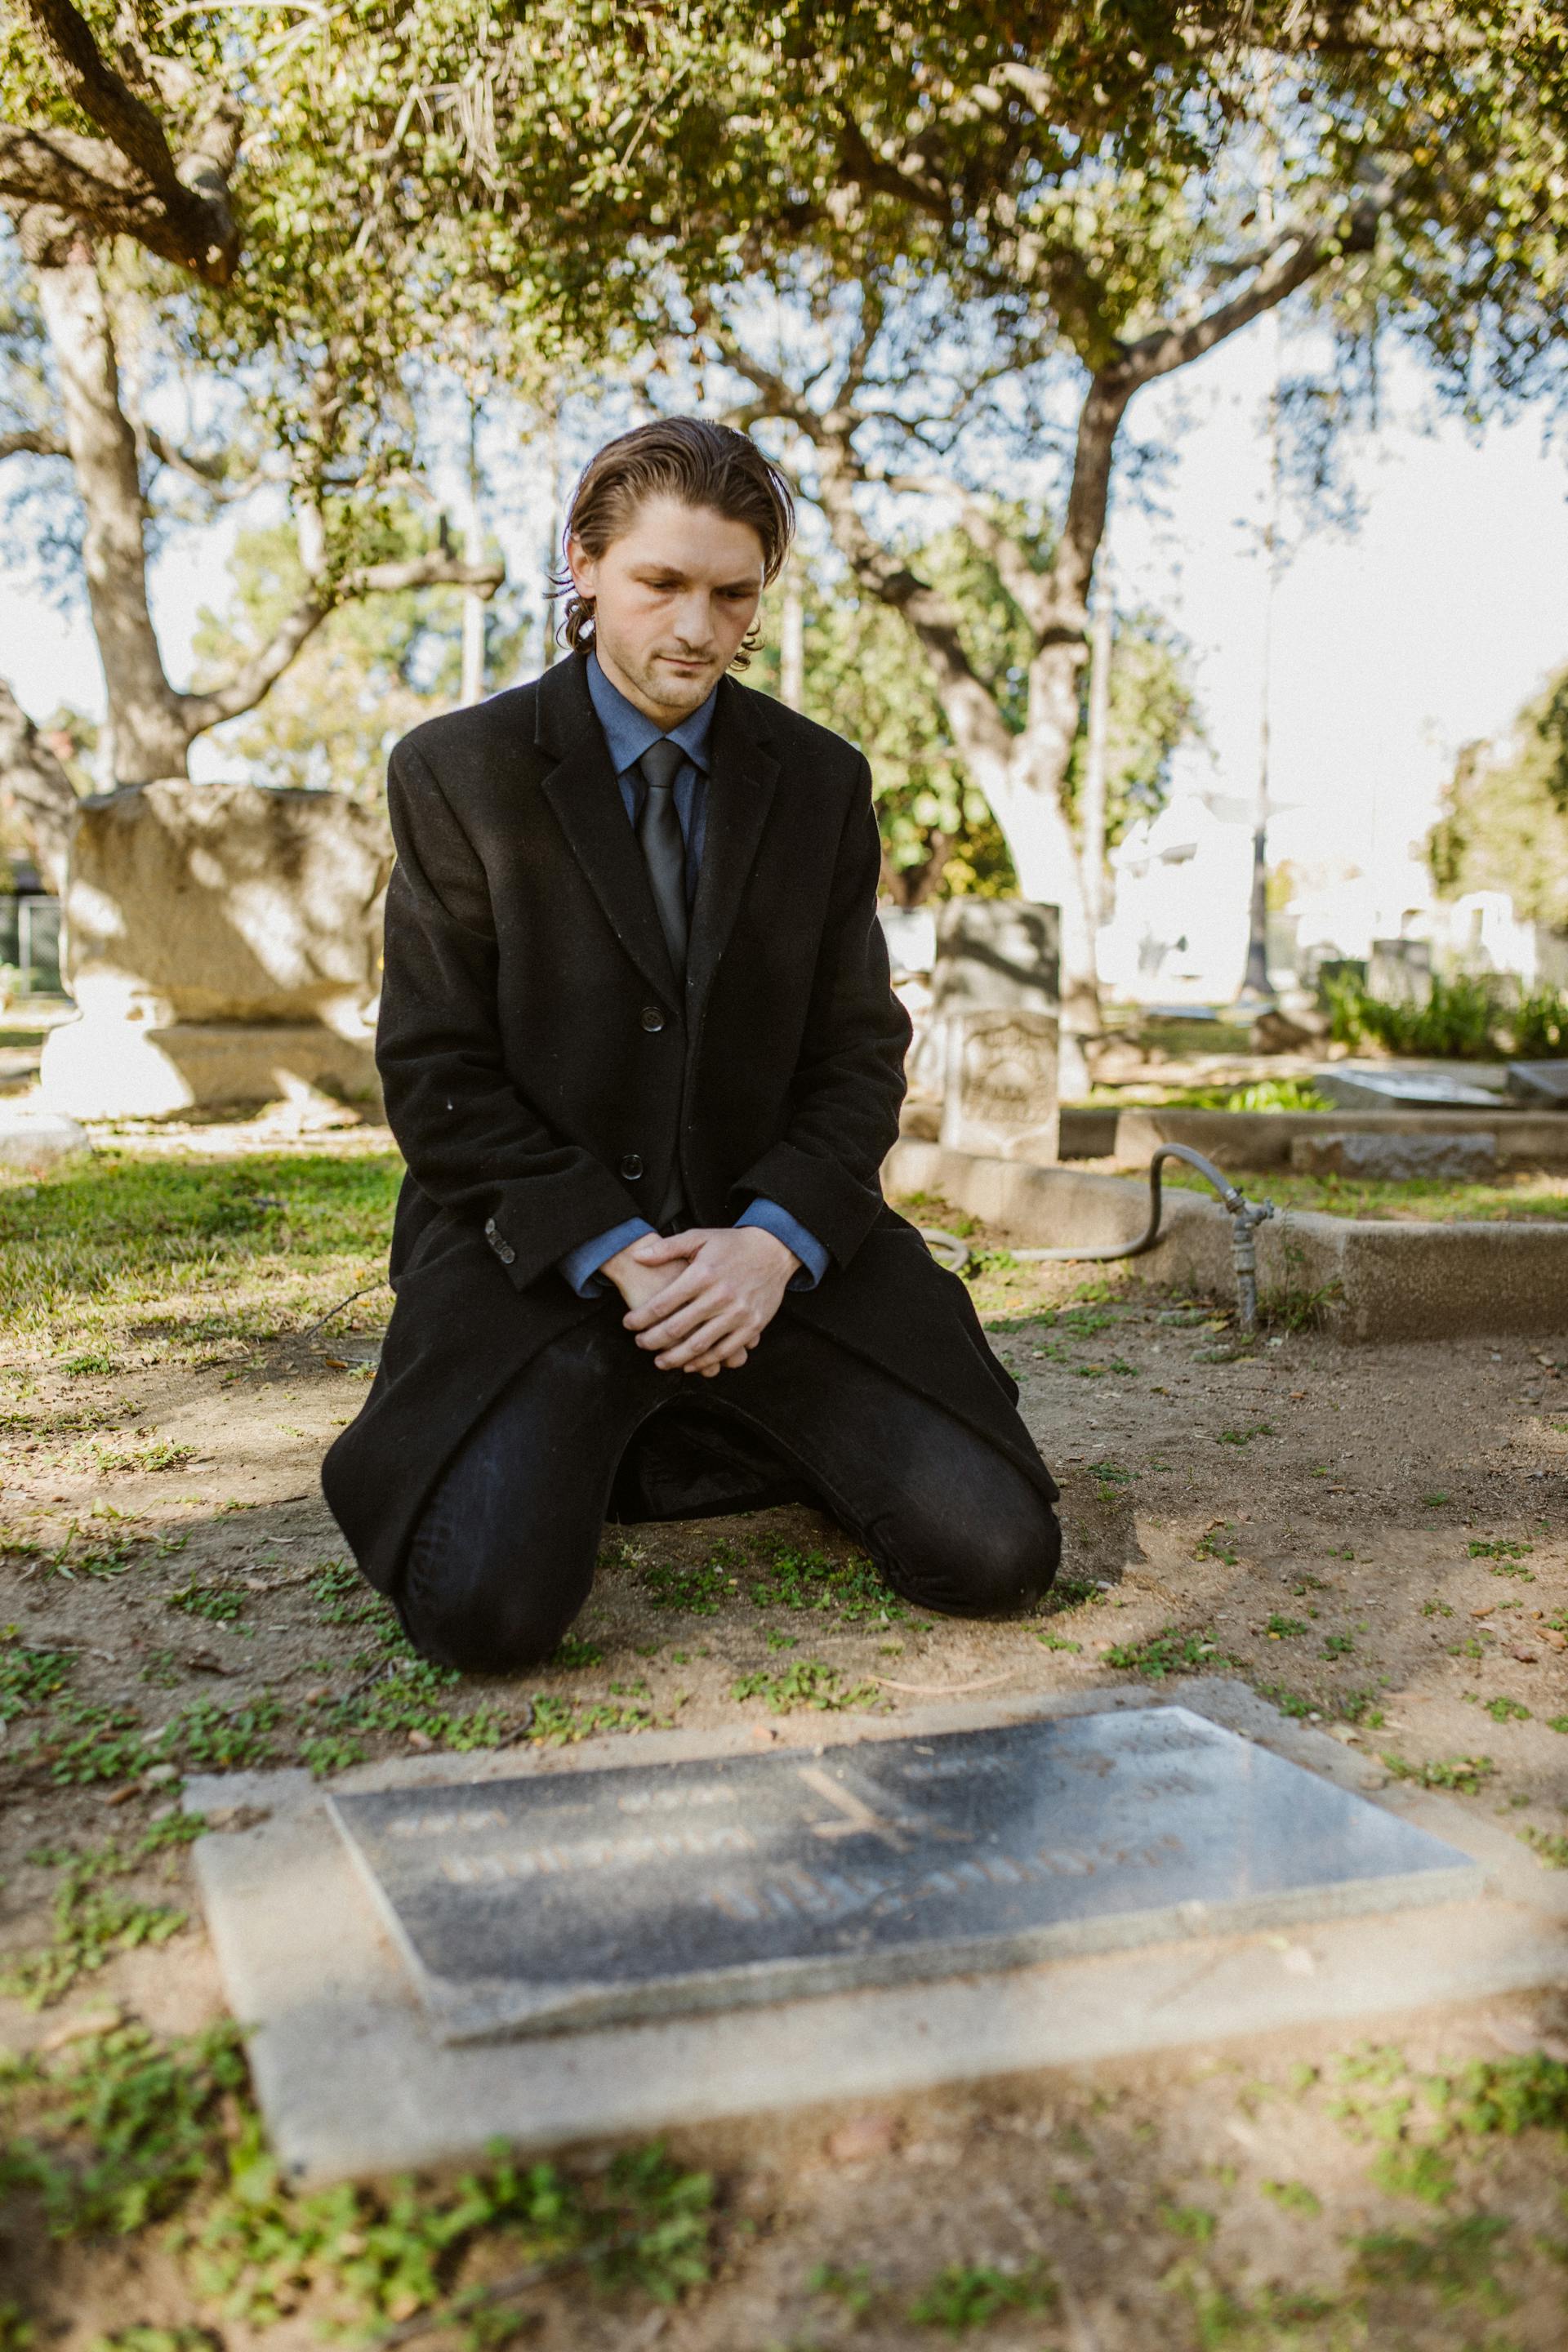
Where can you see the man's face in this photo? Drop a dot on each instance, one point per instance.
(673, 597)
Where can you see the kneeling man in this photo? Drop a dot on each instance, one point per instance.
(642, 1057)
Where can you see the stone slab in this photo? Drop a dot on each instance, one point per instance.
(353, 2082)
(101, 1066)
(1396, 1159)
(661, 1889)
(1539, 1083)
(1379, 1088)
(1258, 1140)
(36, 1142)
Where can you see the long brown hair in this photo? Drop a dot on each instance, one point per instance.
(683, 457)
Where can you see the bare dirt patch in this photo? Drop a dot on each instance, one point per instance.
(1373, 1538)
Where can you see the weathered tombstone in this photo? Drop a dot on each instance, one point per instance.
(1399, 971)
(552, 1901)
(223, 947)
(995, 1021)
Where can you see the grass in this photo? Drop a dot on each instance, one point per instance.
(175, 1257)
(1169, 1652)
(124, 2131)
(1535, 1194)
(966, 2296)
(1464, 1774)
(94, 1917)
(805, 1683)
(776, 1574)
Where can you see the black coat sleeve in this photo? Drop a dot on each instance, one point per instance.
(472, 1141)
(849, 1084)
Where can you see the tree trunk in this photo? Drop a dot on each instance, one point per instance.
(148, 736)
(1091, 824)
(37, 790)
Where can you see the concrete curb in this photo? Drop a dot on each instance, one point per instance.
(1372, 1279)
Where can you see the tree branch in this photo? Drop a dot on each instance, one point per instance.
(33, 444)
(127, 183)
(1291, 264)
(198, 465)
(251, 681)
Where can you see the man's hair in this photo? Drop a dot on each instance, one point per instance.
(679, 458)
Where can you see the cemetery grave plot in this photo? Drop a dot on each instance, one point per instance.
(1374, 1537)
(531, 1905)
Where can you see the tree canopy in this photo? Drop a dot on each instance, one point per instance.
(1505, 820)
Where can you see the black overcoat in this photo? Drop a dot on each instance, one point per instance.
(542, 1066)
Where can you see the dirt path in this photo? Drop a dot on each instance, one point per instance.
(1377, 1539)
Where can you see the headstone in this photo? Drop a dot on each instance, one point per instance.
(1325, 972)
(994, 1025)
(36, 1142)
(1396, 1159)
(1374, 1087)
(910, 934)
(1399, 971)
(560, 1900)
(999, 1085)
(223, 947)
(1542, 1085)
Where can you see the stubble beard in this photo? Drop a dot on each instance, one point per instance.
(679, 697)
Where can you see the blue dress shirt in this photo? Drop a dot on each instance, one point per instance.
(628, 732)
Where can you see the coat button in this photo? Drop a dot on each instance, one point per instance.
(631, 1166)
(652, 1017)
(499, 1243)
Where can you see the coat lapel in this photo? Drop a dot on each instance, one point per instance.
(742, 775)
(583, 794)
(582, 791)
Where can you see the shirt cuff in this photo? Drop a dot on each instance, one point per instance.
(581, 1265)
(787, 1229)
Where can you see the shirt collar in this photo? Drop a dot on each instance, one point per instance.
(628, 732)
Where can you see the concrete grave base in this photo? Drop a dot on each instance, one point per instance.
(1368, 1279)
(353, 2082)
(101, 1066)
(36, 1142)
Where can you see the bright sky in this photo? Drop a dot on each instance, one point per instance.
(1425, 628)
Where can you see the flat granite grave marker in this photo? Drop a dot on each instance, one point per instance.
(555, 1901)
(1353, 1088)
(1543, 1085)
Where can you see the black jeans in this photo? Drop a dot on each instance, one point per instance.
(503, 1556)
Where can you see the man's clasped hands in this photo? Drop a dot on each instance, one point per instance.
(708, 1314)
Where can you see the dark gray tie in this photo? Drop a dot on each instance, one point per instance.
(663, 849)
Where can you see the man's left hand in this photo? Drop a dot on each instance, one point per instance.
(709, 1317)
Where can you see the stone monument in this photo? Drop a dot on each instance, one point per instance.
(223, 944)
(996, 1021)
(1399, 971)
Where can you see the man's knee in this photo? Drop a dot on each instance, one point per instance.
(494, 1626)
(991, 1565)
